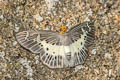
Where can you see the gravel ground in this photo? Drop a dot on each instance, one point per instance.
(103, 62)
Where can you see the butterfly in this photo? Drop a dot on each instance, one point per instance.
(59, 49)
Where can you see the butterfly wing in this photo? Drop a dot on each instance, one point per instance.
(46, 43)
(28, 39)
(81, 36)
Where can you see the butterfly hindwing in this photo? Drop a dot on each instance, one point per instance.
(54, 55)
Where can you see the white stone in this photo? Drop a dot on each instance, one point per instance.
(108, 55)
(1, 17)
(93, 51)
(78, 68)
(38, 17)
(16, 28)
(25, 63)
(36, 59)
(2, 54)
(14, 43)
(50, 4)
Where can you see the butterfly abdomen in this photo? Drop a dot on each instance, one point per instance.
(68, 56)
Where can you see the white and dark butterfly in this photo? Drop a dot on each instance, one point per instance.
(59, 50)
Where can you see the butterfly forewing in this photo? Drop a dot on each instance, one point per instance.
(28, 40)
(59, 50)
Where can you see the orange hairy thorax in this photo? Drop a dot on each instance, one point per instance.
(63, 29)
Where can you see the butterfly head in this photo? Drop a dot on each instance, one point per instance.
(63, 29)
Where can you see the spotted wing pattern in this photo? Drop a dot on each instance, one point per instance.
(59, 50)
(82, 36)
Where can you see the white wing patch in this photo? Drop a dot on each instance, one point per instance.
(78, 50)
(55, 51)
(79, 44)
(67, 49)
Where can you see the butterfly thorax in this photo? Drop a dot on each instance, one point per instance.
(64, 39)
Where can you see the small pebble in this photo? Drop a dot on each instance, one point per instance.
(108, 55)
(96, 71)
(94, 51)
(16, 28)
(38, 17)
(36, 59)
(117, 19)
(118, 32)
(77, 68)
(1, 40)
(1, 17)
(2, 54)
(104, 31)
(14, 43)
(110, 73)
(50, 4)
